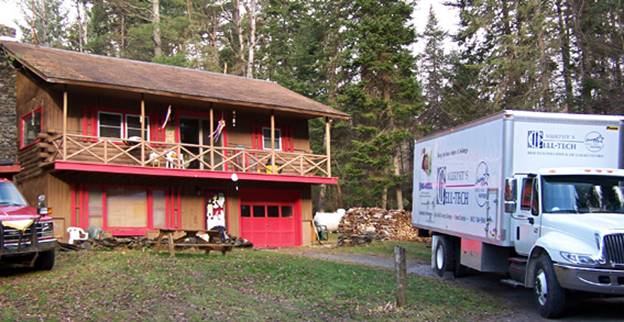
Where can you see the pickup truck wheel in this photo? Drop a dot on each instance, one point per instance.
(442, 258)
(45, 261)
(549, 296)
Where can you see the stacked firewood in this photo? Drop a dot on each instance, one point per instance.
(109, 243)
(363, 225)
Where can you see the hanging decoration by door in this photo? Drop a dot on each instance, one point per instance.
(215, 210)
(219, 130)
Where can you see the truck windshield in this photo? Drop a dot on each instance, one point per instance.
(10, 196)
(583, 194)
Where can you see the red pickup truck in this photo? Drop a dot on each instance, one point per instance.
(26, 233)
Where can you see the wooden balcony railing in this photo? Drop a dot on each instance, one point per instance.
(99, 150)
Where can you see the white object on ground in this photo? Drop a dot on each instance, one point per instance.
(331, 220)
(76, 233)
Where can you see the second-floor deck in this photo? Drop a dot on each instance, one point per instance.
(87, 149)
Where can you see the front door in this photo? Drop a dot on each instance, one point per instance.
(525, 225)
(196, 133)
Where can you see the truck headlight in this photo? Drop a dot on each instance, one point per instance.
(47, 228)
(580, 259)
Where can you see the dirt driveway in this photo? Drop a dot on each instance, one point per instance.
(519, 299)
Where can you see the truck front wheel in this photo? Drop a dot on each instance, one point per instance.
(549, 296)
(45, 261)
(442, 257)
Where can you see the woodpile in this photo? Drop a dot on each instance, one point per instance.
(140, 243)
(363, 225)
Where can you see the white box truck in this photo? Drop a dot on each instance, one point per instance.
(536, 196)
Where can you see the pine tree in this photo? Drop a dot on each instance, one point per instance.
(433, 64)
(45, 23)
(383, 97)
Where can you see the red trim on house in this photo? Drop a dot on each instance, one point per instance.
(188, 173)
(39, 110)
(9, 169)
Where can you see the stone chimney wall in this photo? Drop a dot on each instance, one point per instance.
(8, 119)
(7, 31)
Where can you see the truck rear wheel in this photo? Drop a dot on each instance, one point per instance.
(443, 256)
(45, 261)
(549, 296)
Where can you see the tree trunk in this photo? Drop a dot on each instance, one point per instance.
(586, 64)
(238, 22)
(251, 9)
(156, 31)
(397, 173)
(79, 26)
(564, 36)
(384, 198)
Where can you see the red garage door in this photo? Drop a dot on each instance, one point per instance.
(270, 224)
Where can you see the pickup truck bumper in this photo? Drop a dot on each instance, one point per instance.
(587, 279)
(40, 246)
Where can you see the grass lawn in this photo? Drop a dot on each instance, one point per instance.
(244, 285)
(414, 250)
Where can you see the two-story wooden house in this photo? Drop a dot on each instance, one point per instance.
(128, 147)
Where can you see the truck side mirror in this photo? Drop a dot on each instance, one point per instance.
(510, 195)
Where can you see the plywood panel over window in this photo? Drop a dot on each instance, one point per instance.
(95, 208)
(159, 209)
(126, 207)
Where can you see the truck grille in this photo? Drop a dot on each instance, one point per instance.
(12, 236)
(614, 248)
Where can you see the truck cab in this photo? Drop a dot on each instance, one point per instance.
(26, 232)
(568, 225)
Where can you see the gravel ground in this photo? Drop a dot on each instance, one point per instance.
(520, 300)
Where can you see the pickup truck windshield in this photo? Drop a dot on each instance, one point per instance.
(583, 194)
(10, 196)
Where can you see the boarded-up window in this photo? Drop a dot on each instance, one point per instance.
(126, 207)
(159, 208)
(95, 208)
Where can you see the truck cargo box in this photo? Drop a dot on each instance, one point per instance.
(459, 173)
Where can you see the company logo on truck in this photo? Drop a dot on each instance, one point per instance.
(481, 184)
(441, 185)
(594, 141)
(537, 139)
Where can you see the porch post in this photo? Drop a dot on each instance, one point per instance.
(65, 123)
(273, 143)
(142, 131)
(328, 144)
(211, 138)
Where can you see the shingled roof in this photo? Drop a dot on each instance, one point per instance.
(73, 68)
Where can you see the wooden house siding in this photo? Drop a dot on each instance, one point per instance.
(78, 170)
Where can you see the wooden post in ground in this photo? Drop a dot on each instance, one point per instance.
(142, 124)
(273, 143)
(65, 124)
(328, 144)
(400, 267)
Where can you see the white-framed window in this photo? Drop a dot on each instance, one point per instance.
(133, 126)
(266, 139)
(110, 125)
